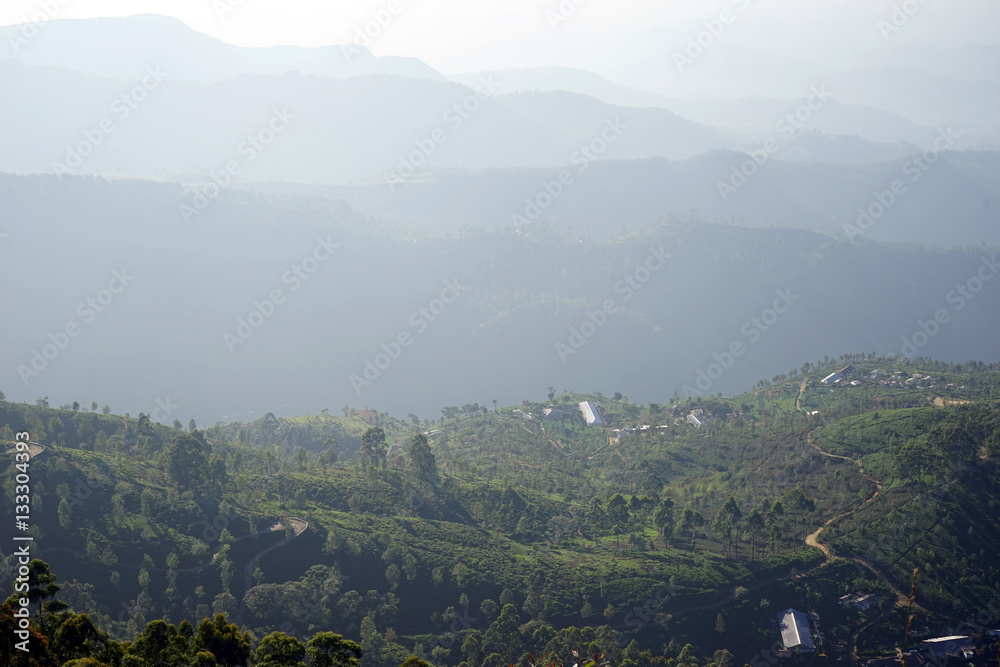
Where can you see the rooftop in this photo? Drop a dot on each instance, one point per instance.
(795, 630)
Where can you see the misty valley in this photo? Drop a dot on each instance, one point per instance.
(525, 334)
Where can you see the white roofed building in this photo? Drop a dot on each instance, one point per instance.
(590, 414)
(956, 645)
(794, 628)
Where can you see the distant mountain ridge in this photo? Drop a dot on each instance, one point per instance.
(345, 130)
(754, 117)
(952, 202)
(114, 46)
(523, 291)
(363, 128)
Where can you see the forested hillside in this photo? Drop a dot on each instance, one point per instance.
(672, 534)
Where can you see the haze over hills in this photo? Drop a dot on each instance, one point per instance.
(121, 47)
(376, 120)
(661, 217)
(753, 117)
(612, 195)
(525, 161)
(523, 293)
(338, 131)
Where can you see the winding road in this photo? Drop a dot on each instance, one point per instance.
(812, 540)
(298, 527)
(902, 599)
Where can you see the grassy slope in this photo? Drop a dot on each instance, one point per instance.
(755, 448)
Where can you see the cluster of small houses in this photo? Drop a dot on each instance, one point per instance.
(879, 379)
(592, 416)
(697, 416)
(801, 633)
(956, 649)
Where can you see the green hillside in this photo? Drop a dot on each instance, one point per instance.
(492, 532)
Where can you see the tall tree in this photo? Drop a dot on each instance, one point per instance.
(224, 640)
(327, 649)
(187, 460)
(372, 451)
(775, 517)
(160, 644)
(422, 461)
(725, 523)
(279, 650)
(372, 641)
(690, 520)
(504, 636)
(663, 519)
(954, 443)
(756, 527)
(617, 510)
(328, 457)
(798, 503)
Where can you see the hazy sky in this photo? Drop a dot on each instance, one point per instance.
(456, 35)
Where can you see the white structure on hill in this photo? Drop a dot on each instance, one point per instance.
(954, 646)
(794, 628)
(831, 378)
(590, 414)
